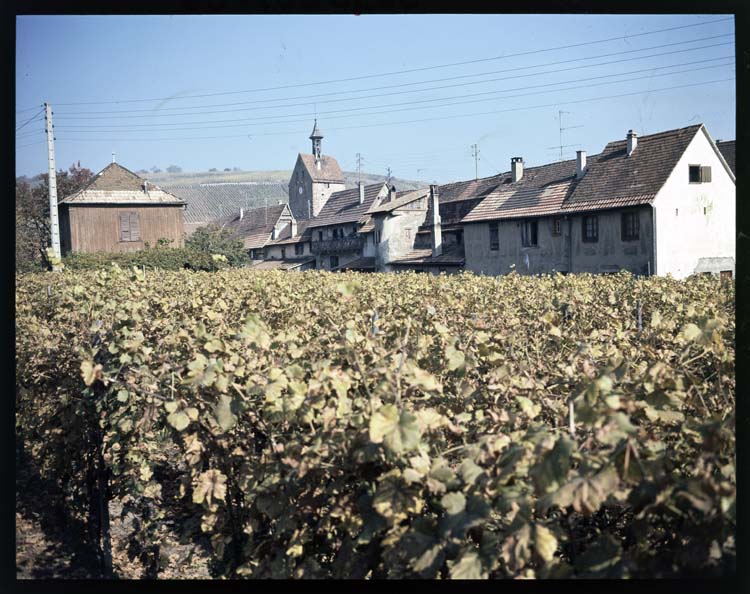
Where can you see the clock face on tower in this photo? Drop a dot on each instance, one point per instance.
(300, 189)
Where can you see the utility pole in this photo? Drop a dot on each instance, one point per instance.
(388, 177)
(54, 221)
(561, 146)
(359, 167)
(475, 154)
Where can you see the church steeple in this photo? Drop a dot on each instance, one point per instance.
(316, 138)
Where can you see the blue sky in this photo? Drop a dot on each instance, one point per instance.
(97, 71)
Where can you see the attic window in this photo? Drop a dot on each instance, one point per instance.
(699, 174)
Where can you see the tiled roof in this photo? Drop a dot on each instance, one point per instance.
(344, 207)
(612, 176)
(207, 203)
(368, 226)
(329, 168)
(402, 198)
(116, 184)
(287, 264)
(423, 257)
(256, 225)
(358, 264)
(304, 233)
(727, 148)
(465, 190)
(540, 191)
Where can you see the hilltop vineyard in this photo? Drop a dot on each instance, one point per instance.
(399, 425)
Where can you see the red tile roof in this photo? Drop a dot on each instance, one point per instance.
(423, 257)
(304, 233)
(344, 207)
(287, 264)
(256, 225)
(329, 168)
(358, 264)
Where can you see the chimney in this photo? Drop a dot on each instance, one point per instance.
(516, 168)
(361, 192)
(242, 213)
(145, 186)
(392, 193)
(437, 235)
(580, 164)
(113, 156)
(632, 142)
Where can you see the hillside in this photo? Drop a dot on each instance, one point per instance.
(264, 177)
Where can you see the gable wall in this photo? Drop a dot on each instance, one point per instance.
(97, 228)
(689, 241)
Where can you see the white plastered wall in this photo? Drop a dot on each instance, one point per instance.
(695, 222)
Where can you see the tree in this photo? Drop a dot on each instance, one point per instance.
(142, 171)
(155, 169)
(32, 213)
(212, 169)
(227, 169)
(213, 240)
(174, 169)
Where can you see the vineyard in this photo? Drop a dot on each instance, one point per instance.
(388, 425)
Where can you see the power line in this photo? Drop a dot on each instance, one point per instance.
(424, 68)
(31, 144)
(629, 51)
(31, 119)
(383, 124)
(500, 79)
(232, 123)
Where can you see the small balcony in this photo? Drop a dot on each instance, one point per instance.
(337, 246)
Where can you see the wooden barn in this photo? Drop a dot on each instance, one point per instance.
(118, 211)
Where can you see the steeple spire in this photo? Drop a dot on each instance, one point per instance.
(316, 138)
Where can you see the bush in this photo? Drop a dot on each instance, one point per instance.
(213, 240)
(152, 258)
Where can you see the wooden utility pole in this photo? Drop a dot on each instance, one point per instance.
(359, 167)
(54, 221)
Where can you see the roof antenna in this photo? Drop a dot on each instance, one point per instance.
(113, 156)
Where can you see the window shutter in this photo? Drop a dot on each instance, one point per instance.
(705, 173)
(124, 226)
(135, 227)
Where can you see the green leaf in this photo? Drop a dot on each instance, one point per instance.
(530, 409)
(470, 471)
(456, 358)
(179, 420)
(469, 567)
(453, 503)
(223, 413)
(171, 406)
(545, 543)
(398, 432)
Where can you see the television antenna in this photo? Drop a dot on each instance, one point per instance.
(561, 146)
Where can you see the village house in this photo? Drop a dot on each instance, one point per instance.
(118, 211)
(256, 227)
(630, 207)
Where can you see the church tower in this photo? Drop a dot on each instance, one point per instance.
(314, 179)
(316, 138)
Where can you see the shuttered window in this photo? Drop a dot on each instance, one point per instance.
(130, 226)
(494, 239)
(630, 226)
(299, 249)
(590, 229)
(529, 236)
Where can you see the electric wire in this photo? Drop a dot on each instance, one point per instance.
(384, 124)
(274, 100)
(420, 69)
(231, 123)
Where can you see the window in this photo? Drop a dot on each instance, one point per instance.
(726, 274)
(283, 253)
(334, 262)
(354, 229)
(494, 239)
(557, 227)
(630, 226)
(699, 174)
(407, 234)
(377, 237)
(529, 236)
(130, 228)
(299, 249)
(590, 229)
(320, 236)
